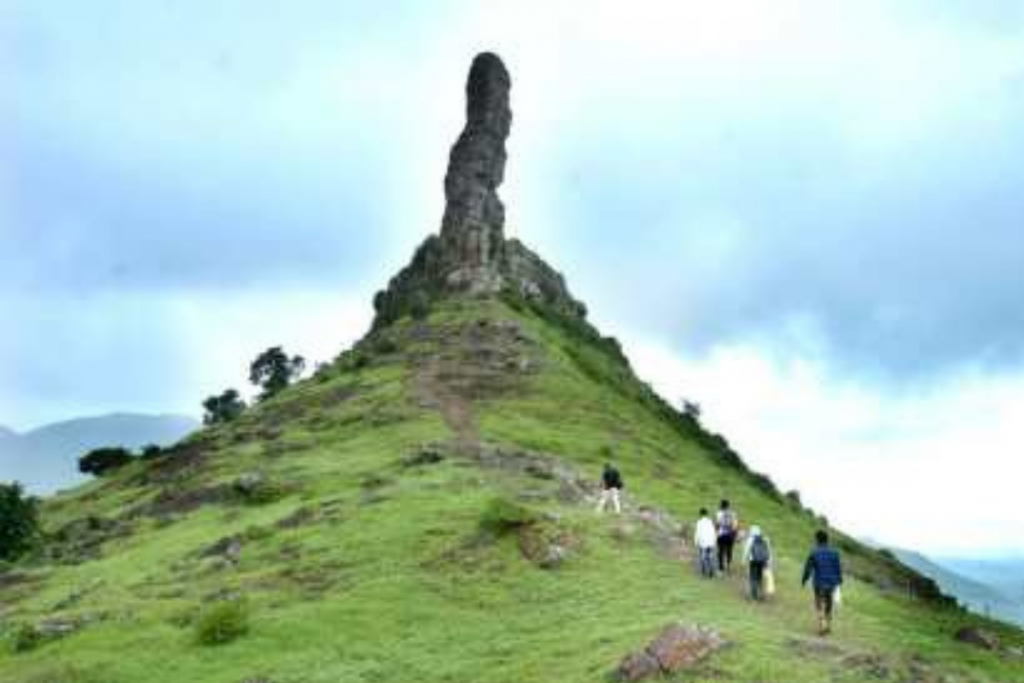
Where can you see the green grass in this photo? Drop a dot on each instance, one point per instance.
(367, 569)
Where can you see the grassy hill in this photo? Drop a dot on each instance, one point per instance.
(421, 510)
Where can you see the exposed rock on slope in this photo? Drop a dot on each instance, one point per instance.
(471, 254)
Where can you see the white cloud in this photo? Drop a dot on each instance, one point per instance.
(159, 352)
(937, 469)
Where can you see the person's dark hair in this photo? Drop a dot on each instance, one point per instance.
(703, 512)
(821, 536)
(725, 504)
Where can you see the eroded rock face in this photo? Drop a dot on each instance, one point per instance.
(472, 231)
(676, 648)
(977, 637)
(471, 254)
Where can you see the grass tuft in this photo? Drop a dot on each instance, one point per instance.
(222, 623)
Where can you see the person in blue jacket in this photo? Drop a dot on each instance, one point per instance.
(826, 569)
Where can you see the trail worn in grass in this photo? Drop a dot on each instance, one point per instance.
(378, 558)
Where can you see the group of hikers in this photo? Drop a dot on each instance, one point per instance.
(715, 541)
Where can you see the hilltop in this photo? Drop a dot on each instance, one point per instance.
(422, 509)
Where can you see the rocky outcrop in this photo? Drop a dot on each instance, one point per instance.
(472, 231)
(471, 254)
(977, 637)
(677, 647)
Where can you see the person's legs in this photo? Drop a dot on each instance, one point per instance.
(823, 604)
(615, 501)
(828, 610)
(721, 553)
(602, 500)
(756, 577)
(707, 567)
(730, 542)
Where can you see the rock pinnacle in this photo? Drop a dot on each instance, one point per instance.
(472, 230)
(471, 255)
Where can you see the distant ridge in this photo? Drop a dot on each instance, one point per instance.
(976, 595)
(44, 459)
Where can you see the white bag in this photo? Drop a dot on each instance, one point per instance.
(837, 596)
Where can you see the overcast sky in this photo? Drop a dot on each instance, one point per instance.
(806, 216)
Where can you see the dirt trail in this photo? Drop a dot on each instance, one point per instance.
(432, 389)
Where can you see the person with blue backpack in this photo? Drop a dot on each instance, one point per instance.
(826, 569)
(758, 555)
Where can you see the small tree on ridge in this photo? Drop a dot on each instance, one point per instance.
(273, 370)
(223, 408)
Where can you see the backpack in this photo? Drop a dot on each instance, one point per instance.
(728, 522)
(759, 552)
(612, 478)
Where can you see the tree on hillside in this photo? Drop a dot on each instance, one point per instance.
(273, 370)
(692, 410)
(223, 408)
(101, 461)
(19, 521)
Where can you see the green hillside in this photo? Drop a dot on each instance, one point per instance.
(423, 509)
(408, 495)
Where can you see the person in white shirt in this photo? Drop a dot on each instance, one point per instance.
(705, 538)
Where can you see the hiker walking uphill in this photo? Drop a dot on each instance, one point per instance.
(704, 537)
(611, 488)
(728, 525)
(757, 553)
(824, 566)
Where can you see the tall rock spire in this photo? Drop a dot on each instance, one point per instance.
(472, 230)
(471, 255)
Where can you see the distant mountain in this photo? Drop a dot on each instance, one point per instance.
(46, 459)
(984, 587)
(1005, 574)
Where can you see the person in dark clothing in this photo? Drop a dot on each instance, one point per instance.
(758, 556)
(825, 567)
(727, 525)
(611, 487)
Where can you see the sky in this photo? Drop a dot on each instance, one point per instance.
(811, 212)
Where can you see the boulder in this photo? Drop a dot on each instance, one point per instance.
(636, 666)
(546, 545)
(424, 455)
(678, 647)
(248, 483)
(977, 637)
(228, 548)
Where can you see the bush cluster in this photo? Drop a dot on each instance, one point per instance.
(101, 461)
(502, 515)
(19, 521)
(222, 623)
(25, 638)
